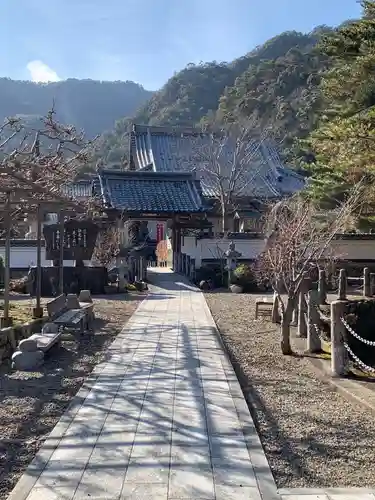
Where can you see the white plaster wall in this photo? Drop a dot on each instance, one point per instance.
(214, 248)
(250, 249)
(24, 257)
(354, 249)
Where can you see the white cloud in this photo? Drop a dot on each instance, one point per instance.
(40, 72)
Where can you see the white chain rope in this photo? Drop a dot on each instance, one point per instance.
(317, 328)
(359, 362)
(355, 334)
(322, 339)
(356, 359)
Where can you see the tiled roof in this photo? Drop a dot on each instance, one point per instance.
(168, 149)
(78, 189)
(156, 192)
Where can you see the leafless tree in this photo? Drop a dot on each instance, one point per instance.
(38, 159)
(230, 164)
(297, 242)
(107, 246)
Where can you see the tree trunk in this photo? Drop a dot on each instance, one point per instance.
(285, 326)
(286, 348)
(223, 221)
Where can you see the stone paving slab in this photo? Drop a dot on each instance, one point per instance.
(163, 419)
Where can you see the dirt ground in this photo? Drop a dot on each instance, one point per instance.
(32, 403)
(312, 435)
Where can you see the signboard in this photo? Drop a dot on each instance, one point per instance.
(78, 240)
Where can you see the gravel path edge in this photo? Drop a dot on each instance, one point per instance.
(351, 390)
(265, 479)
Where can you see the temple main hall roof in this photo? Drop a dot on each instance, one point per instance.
(149, 192)
(173, 149)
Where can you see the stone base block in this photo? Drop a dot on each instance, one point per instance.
(28, 345)
(26, 360)
(37, 312)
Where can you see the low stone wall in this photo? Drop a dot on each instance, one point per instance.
(11, 336)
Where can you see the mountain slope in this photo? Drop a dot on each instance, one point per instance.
(87, 104)
(274, 87)
(279, 95)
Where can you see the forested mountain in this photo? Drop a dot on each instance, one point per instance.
(87, 104)
(342, 145)
(274, 87)
(313, 93)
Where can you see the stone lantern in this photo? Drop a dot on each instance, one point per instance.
(232, 255)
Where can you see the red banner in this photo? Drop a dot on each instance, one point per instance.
(159, 232)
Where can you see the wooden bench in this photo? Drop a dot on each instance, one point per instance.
(63, 315)
(263, 307)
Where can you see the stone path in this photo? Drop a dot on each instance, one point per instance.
(163, 418)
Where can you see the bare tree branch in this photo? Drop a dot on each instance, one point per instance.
(298, 242)
(230, 165)
(40, 161)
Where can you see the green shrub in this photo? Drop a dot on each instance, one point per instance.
(212, 273)
(244, 276)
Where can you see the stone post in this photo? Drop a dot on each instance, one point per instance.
(313, 340)
(322, 287)
(142, 268)
(184, 264)
(180, 262)
(366, 282)
(192, 269)
(339, 355)
(301, 311)
(121, 275)
(294, 321)
(342, 285)
(275, 314)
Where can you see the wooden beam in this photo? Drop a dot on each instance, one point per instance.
(61, 257)
(38, 311)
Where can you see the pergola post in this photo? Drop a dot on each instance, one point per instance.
(6, 320)
(61, 256)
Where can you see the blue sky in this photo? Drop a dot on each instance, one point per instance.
(145, 40)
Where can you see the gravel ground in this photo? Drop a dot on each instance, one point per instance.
(32, 403)
(312, 436)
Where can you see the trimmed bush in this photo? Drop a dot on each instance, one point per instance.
(212, 274)
(244, 276)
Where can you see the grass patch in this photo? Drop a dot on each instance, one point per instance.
(324, 355)
(20, 311)
(326, 347)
